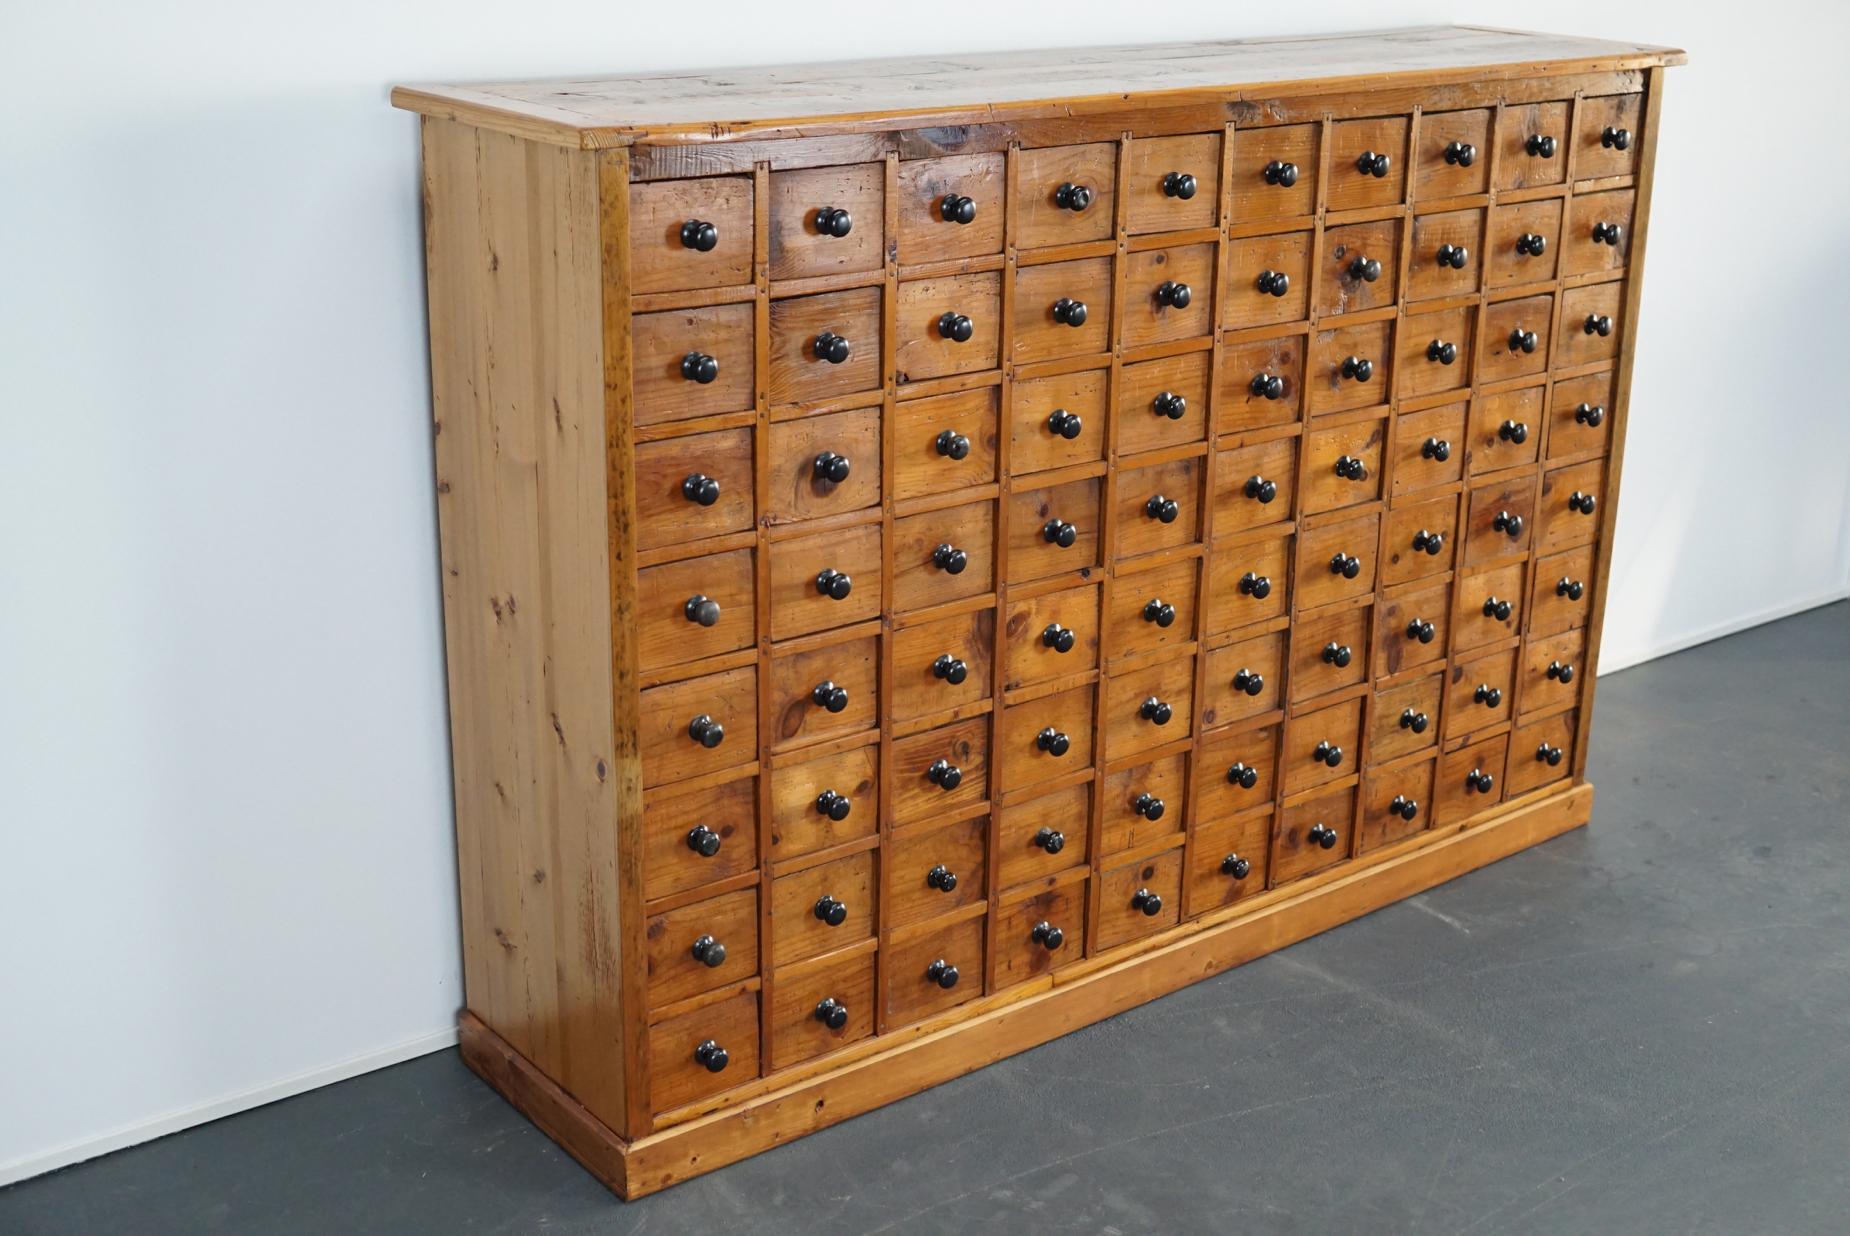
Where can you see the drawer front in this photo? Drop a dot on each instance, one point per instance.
(1454, 154)
(948, 326)
(946, 555)
(1358, 268)
(1506, 430)
(1532, 145)
(1422, 540)
(942, 665)
(1062, 309)
(806, 1001)
(699, 726)
(1572, 505)
(1515, 340)
(823, 692)
(809, 333)
(1541, 752)
(1139, 899)
(1396, 804)
(1342, 466)
(687, 234)
(1247, 583)
(668, 352)
(1249, 398)
(1053, 530)
(1274, 172)
(1406, 719)
(1480, 692)
(941, 771)
(1065, 194)
(943, 443)
(1045, 738)
(950, 207)
(1255, 485)
(808, 454)
(1036, 643)
(698, 836)
(1447, 257)
(1163, 403)
(1525, 242)
(823, 802)
(1173, 183)
(1143, 804)
(1237, 775)
(1598, 233)
(675, 601)
(1563, 597)
(1412, 629)
(1429, 448)
(1329, 651)
(1059, 421)
(1040, 836)
(1169, 294)
(804, 200)
(1313, 835)
(1153, 609)
(1470, 780)
(702, 1052)
(1580, 416)
(1353, 186)
(1321, 746)
(1487, 607)
(1336, 562)
(1501, 522)
(933, 972)
(1268, 280)
(934, 870)
(1148, 707)
(1552, 671)
(1158, 507)
(1243, 680)
(702, 946)
(1435, 351)
(1608, 135)
(674, 502)
(1041, 934)
(823, 908)
(1592, 322)
(807, 593)
(1227, 861)
(1351, 367)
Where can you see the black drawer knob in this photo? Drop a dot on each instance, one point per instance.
(837, 807)
(1549, 755)
(1243, 775)
(700, 488)
(1163, 510)
(1047, 935)
(1058, 638)
(834, 585)
(1366, 269)
(706, 731)
(956, 327)
(1357, 368)
(1583, 503)
(1064, 424)
(1248, 681)
(1260, 490)
(1500, 610)
(1487, 695)
(951, 669)
(1179, 185)
(1072, 197)
(949, 559)
(1463, 154)
(699, 367)
(702, 609)
(1155, 710)
(1051, 840)
(1561, 671)
(832, 1013)
(1339, 655)
(1259, 587)
(1273, 283)
(832, 347)
(1171, 405)
(1422, 630)
(1053, 742)
(699, 235)
(712, 1057)
(831, 911)
(1436, 448)
(956, 208)
(943, 973)
(1150, 903)
(703, 841)
(1540, 146)
(828, 695)
(1059, 532)
(1607, 234)
(1404, 807)
(1572, 589)
(1328, 754)
(1615, 139)
(834, 221)
(952, 445)
(1523, 340)
(1508, 524)
(1159, 611)
(1280, 173)
(1070, 312)
(709, 952)
(1531, 244)
(1454, 256)
(1346, 565)
(1415, 721)
(1513, 431)
(1598, 324)
(831, 467)
(1477, 781)
(1431, 544)
(1323, 835)
(1442, 351)
(1174, 295)
(1235, 866)
(1590, 415)
(1149, 806)
(945, 775)
(941, 878)
(1349, 468)
(1373, 164)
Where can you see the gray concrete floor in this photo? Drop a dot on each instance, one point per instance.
(1643, 1026)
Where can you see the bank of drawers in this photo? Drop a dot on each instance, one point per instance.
(1038, 550)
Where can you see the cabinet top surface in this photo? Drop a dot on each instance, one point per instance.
(671, 108)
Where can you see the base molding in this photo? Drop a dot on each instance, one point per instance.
(637, 1168)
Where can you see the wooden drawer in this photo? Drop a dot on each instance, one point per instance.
(806, 589)
(1592, 321)
(1243, 680)
(704, 1051)
(823, 908)
(1406, 719)
(821, 1005)
(1524, 243)
(1501, 521)
(1313, 834)
(823, 692)
(1163, 403)
(1274, 172)
(1580, 416)
(696, 837)
(1047, 324)
(1228, 861)
(1358, 267)
(1532, 145)
(1572, 505)
(1422, 540)
(1381, 184)
(950, 208)
(1505, 430)
(673, 351)
(1053, 530)
(699, 726)
(1237, 773)
(1336, 562)
(1563, 598)
(805, 199)
(1059, 421)
(943, 443)
(675, 601)
(1268, 280)
(1435, 351)
(1065, 194)
(1329, 651)
(675, 503)
(1247, 583)
(1552, 671)
(1540, 752)
(1040, 934)
(1342, 466)
(948, 326)
(944, 555)
(1169, 294)
(808, 333)
(931, 871)
(1429, 448)
(1139, 899)
(1470, 780)
(1488, 607)
(700, 947)
(1396, 804)
(1143, 804)
(1158, 507)
(1321, 746)
(1249, 397)
(1254, 485)
(1480, 692)
(1598, 234)
(1608, 134)
(1044, 738)
(1147, 707)
(1035, 634)
(824, 802)
(687, 234)
(1412, 628)
(942, 665)
(1153, 609)
(808, 455)
(933, 971)
(940, 771)
(1351, 367)
(1447, 257)
(1454, 154)
(1173, 183)
(1515, 339)
(1040, 836)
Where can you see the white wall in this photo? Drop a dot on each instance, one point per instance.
(225, 856)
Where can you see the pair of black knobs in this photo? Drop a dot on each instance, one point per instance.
(1060, 532)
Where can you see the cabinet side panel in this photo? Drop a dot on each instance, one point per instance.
(517, 379)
